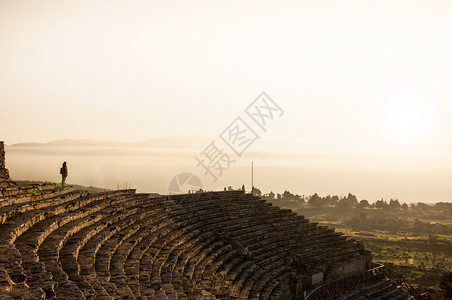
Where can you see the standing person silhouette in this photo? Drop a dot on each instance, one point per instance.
(64, 173)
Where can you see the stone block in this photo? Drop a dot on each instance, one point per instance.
(313, 280)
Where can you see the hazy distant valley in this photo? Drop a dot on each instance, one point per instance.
(149, 166)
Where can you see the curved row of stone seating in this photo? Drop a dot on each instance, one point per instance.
(382, 289)
(232, 265)
(26, 190)
(60, 243)
(26, 226)
(264, 262)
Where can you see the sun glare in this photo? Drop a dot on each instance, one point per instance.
(407, 123)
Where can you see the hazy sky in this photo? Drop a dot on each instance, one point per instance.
(353, 77)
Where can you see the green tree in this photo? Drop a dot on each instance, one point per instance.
(381, 204)
(288, 196)
(353, 201)
(315, 200)
(363, 204)
(394, 204)
(334, 200)
(256, 192)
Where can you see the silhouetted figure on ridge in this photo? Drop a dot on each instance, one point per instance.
(64, 173)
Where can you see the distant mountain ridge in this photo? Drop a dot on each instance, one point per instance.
(172, 141)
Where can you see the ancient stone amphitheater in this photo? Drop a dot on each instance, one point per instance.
(68, 244)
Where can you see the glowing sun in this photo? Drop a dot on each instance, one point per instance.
(407, 123)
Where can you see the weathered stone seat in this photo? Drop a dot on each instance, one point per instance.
(33, 188)
(52, 235)
(129, 226)
(382, 289)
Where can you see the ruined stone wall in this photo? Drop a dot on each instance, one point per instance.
(5, 181)
(2, 155)
(357, 266)
(4, 174)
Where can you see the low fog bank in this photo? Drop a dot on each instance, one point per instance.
(150, 168)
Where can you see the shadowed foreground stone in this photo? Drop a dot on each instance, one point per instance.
(68, 244)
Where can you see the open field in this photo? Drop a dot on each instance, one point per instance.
(418, 259)
(416, 244)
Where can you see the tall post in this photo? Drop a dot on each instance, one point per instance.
(252, 177)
